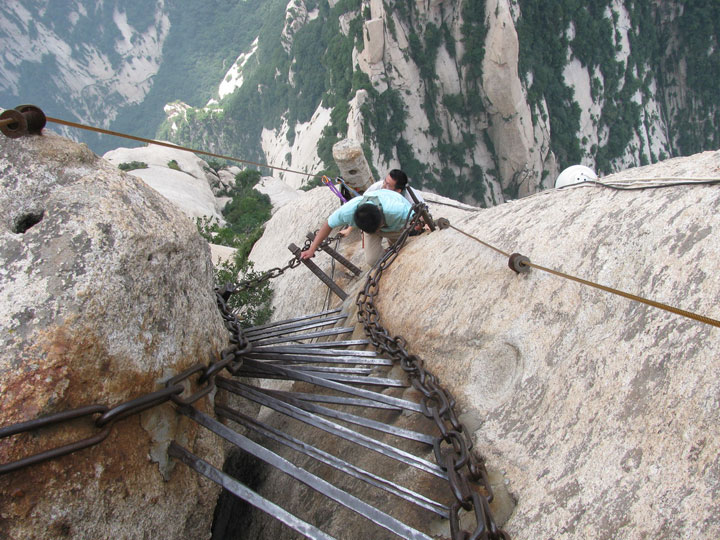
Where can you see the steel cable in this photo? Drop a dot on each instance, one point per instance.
(630, 296)
(173, 146)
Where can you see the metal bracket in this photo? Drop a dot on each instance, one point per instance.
(519, 263)
(335, 255)
(21, 121)
(427, 218)
(319, 273)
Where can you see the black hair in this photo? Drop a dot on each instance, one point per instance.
(368, 217)
(400, 178)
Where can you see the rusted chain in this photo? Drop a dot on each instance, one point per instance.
(50, 420)
(453, 447)
(231, 288)
(104, 423)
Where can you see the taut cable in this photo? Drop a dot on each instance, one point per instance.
(525, 262)
(173, 146)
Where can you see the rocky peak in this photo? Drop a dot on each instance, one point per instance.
(296, 16)
(107, 292)
(515, 138)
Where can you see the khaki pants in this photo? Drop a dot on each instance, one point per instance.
(373, 245)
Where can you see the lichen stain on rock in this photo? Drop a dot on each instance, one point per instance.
(690, 238)
(69, 368)
(78, 371)
(33, 393)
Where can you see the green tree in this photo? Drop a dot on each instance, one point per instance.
(245, 214)
(251, 305)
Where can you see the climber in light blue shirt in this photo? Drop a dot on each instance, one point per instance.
(380, 214)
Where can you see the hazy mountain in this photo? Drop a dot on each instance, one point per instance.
(115, 64)
(480, 100)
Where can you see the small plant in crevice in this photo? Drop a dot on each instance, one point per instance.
(132, 165)
(245, 217)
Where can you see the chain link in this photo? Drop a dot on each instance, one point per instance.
(230, 359)
(462, 466)
(464, 469)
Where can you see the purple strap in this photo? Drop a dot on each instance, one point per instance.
(329, 184)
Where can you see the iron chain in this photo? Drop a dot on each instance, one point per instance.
(230, 359)
(462, 466)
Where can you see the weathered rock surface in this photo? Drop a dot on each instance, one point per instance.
(279, 192)
(602, 413)
(348, 154)
(302, 154)
(221, 253)
(188, 186)
(106, 292)
(227, 177)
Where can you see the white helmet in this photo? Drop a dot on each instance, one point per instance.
(575, 174)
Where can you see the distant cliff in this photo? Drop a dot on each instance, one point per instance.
(116, 63)
(481, 100)
(80, 60)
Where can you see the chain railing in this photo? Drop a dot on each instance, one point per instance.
(231, 288)
(105, 416)
(466, 473)
(453, 447)
(230, 359)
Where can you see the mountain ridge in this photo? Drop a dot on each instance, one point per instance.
(482, 100)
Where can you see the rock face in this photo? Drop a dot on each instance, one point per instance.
(302, 154)
(106, 293)
(353, 167)
(186, 183)
(511, 126)
(481, 101)
(94, 59)
(279, 192)
(602, 413)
